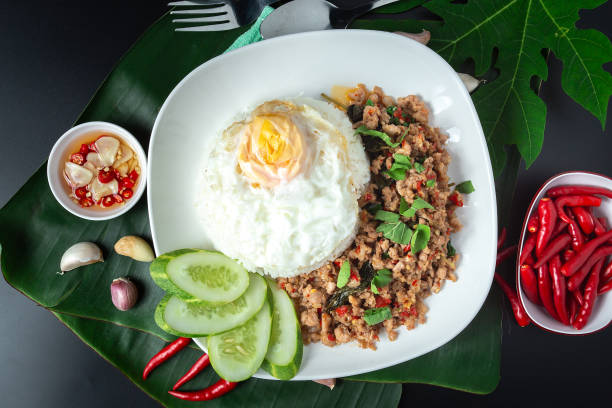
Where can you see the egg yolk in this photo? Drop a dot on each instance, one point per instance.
(272, 150)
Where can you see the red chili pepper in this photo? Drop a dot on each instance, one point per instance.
(571, 266)
(106, 176)
(576, 279)
(552, 249)
(455, 199)
(126, 182)
(86, 202)
(527, 248)
(118, 199)
(604, 222)
(599, 227)
(354, 275)
(107, 201)
(164, 354)
(80, 192)
(519, 313)
(216, 390)
(590, 294)
(529, 260)
(585, 219)
(529, 282)
(505, 254)
(545, 290)
(576, 234)
(578, 296)
(532, 224)
(573, 308)
(558, 288)
(548, 217)
(502, 238)
(604, 288)
(77, 158)
(127, 193)
(193, 371)
(568, 254)
(331, 337)
(559, 227)
(381, 301)
(92, 147)
(133, 175)
(342, 310)
(567, 190)
(575, 201)
(84, 150)
(606, 274)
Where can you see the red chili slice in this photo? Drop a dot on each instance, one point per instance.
(77, 158)
(80, 192)
(455, 199)
(128, 193)
(92, 147)
(86, 202)
(118, 199)
(134, 175)
(106, 176)
(342, 310)
(108, 201)
(84, 149)
(127, 182)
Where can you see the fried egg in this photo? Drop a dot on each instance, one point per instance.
(280, 186)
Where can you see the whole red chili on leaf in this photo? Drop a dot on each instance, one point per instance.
(218, 389)
(559, 289)
(505, 254)
(575, 201)
(585, 219)
(578, 190)
(519, 313)
(199, 365)
(548, 218)
(590, 294)
(545, 290)
(571, 266)
(529, 282)
(164, 354)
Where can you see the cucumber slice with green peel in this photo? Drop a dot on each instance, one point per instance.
(197, 275)
(193, 319)
(284, 355)
(237, 354)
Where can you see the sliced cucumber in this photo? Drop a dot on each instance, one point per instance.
(284, 355)
(237, 354)
(195, 274)
(192, 319)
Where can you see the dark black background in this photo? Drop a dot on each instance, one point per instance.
(53, 56)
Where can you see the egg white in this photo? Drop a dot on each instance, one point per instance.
(299, 225)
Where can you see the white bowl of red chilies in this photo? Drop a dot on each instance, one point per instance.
(563, 276)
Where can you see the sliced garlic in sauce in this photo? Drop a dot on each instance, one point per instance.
(94, 159)
(78, 175)
(91, 167)
(99, 190)
(107, 148)
(125, 154)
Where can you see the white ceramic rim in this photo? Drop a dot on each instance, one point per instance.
(55, 160)
(489, 175)
(526, 303)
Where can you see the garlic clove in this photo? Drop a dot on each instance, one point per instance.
(423, 37)
(469, 81)
(135, 247)
(80, 254)
(77, 175)
(124, 293)
(328, 382)
(99, 190)
(124, 154)
(107, 148)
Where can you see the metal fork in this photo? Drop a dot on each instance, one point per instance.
(219, 15)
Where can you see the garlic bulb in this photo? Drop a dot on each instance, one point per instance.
(135, 247)
(328, 382)
(80, 254)
(124, 293)
(469, 81)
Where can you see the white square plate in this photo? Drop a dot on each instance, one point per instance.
(311, 63)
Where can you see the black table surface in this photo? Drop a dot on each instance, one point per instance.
(53, 56)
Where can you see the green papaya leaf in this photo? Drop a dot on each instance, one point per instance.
(129, 350)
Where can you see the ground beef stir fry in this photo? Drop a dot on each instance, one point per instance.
(335, 315)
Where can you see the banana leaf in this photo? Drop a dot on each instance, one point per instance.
(33, 223)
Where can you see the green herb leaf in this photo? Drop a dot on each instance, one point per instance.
(386, 216)
(419, 166)
(391, 109)
(419, 204)
(450, 249)
(382, 135)
(369, 102)
(401, 163)
(404, 206)
(402, 159)
(385, 255)
(466, 187)
(372, 207)
(430, 183)
(397, 232)
(344, 274)
(340, 296)
(377, 315)
(420, 238)
(409, 211)
(383, 278)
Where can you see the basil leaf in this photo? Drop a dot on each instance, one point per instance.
(401, 139)
(391, 110)
(344, 274)
(382, 279)
(419, 167)
(397, 232)
(386, 216)
(377, 315)
(466, 187)
(397, 172)
(405, 209)
(373, 288)
(419, 204)
(402, 159)
(450, 249)
(385, 255)
(382, 135)
(420, 238)
(430, 183)
(372, 207)
(369, 102)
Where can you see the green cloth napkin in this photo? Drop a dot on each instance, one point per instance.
(252, 34)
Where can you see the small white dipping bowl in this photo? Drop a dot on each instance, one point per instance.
(602, 312)
(60, 152)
